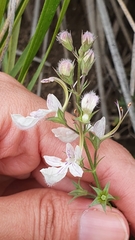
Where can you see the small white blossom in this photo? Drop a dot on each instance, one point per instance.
(65, 134)
(59, 169)
(27, 122)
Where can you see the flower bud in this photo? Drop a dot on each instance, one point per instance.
(66, 70)
(87, 62)
(89, 102)
(87, 40)
(65, 39)
(85, 118)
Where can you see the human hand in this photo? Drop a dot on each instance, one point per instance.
(31, 210)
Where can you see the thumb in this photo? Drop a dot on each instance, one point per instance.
(47, 214)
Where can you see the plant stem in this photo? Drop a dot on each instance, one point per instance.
(93, 167)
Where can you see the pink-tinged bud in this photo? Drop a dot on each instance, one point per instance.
(87, 40)
(87, 61)
(65, 39)
(65, 67)
(66, 70)
(89, 102)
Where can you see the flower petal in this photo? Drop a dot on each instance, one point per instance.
(78, 153)
(53, 161)
(53, 103)
(53, 175)
(99, 128)
(40, 113)
(64, 134)
(70, 151)
(24, 122)
(75, 170)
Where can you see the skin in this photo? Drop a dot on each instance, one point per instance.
(31, 210)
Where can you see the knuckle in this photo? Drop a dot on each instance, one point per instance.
(54, 223)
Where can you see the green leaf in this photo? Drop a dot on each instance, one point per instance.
(19, 13)
(12, 47)
(3, 5)
(79, 191)
(46, 16)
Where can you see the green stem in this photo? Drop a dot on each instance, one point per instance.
(78, 77)
(93, 168)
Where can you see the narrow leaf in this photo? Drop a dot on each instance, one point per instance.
(61, 15)
(45, 20)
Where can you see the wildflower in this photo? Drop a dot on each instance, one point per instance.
(59, 169)
(64, 134)
(66, 70)
(87, 62)
(65, 39)
(24, 123)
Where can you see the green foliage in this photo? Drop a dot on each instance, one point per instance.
(21, 67)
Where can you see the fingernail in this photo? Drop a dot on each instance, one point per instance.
(96, 224)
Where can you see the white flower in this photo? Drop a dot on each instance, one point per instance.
(99, 128)
(65, 134)
(24, 123)
(59, 169)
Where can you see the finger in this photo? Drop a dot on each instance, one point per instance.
(47, 214)
(19, 150)
(17, 186)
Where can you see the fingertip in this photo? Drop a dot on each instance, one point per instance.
(109, 225)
